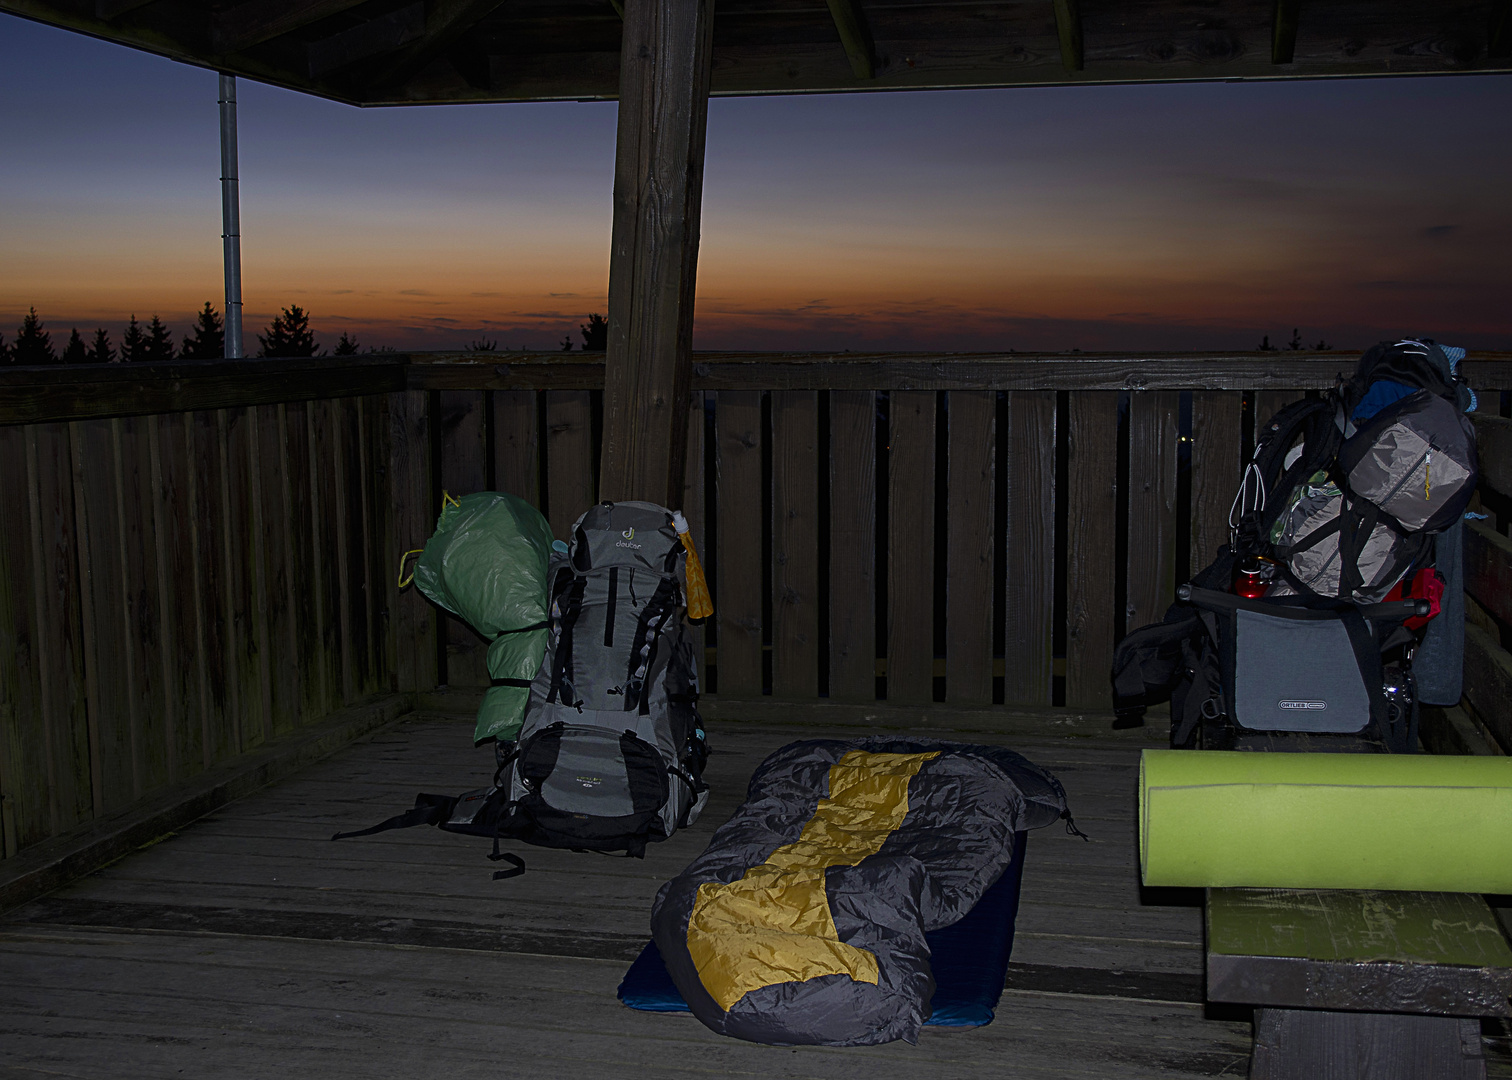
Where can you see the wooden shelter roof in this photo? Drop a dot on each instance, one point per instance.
(404, 52)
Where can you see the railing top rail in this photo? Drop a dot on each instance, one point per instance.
(53, 393)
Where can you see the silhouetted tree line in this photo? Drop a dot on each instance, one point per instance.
(1294, 345)
(288, 334)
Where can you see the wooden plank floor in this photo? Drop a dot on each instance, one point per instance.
(250, 945)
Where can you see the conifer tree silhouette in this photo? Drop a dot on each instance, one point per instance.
(75, 352)
(595, 334)
(208, 340)
(100, 351)
(33, 342)
(347, 346)
(133, 343)
(289, 334)
(5, 351)
(159, 341)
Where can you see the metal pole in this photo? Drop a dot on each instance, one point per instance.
(231, 216)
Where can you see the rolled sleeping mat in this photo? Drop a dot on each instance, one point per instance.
(1210, 818)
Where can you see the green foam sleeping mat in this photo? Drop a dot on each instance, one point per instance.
(1211, 818)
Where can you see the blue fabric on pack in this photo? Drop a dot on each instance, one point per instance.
(1382, 393)
(969, 959)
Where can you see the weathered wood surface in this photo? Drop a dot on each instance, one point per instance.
(795, 544)
(911, 547)
(1431, 953)
(429, 964)
(464, 470)
(1153, 423)
(1488, 569)
(485, 51)
(1216, 419)
(1090, 529)
(569, 458)
(737, 565)
(1493, 434)
(34, 395)
(853, 545)
(665, 55)
(1029, 547)
(1488, 681)
(1301, 1042)
(174, 590)
(972, 465)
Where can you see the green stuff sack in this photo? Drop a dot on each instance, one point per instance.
(1414, 822)
(488, 563)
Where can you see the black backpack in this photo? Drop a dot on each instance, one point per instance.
(1330, 551)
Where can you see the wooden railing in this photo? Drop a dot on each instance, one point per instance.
(201, 555)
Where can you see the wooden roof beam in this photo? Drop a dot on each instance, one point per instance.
(114, 9)
(1284, 31)
(1499, 32)
(375, 37)
(444, 26)
(1068, 27)
(256, 21)
(855, 36)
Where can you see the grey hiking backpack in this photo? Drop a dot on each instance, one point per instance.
(612, 749)
(611, 752)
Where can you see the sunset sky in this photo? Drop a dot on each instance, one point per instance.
(1142, 217)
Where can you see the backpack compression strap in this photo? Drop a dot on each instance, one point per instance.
(648, 632)
(428, 810)
(562, 666)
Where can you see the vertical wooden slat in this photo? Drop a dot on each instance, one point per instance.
(517, 453)
(1215, 471)
(378, 514)
(1154, 426)
(569, 458)
(26, 814)
(693, 510)
(968, 568)
(105, 649)
(248, 614)
(410, 477)
(151, 722)
(464, 470)
(853, 546)
(1267, 403)
(738, 600)
(795, 544)
(308, 576)
(1029, 542)
(220, 730)
(910, 547)
(357, 624)
(1091, 506)
(61, 655)
(173, 519)
(329, 543)
(275, 543)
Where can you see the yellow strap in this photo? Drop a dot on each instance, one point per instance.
(446, 499)
(403, 581)
(700, 606)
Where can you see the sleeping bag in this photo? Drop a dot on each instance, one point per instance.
(804, 920)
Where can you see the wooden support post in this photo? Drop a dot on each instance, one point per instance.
(658, 188)
(1284, 31)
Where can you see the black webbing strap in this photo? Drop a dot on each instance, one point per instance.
(561, 670)
(428, 810)
(610, 606)
(517, 864)
(643, 650)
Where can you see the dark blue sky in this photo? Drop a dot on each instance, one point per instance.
(1149, 217)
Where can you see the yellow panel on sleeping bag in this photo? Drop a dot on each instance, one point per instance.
(774, 924)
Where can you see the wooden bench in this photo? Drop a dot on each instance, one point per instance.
(1360, 984)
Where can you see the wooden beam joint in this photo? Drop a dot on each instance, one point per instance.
(1068, 26)
(1284, 31)
(855, 36)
